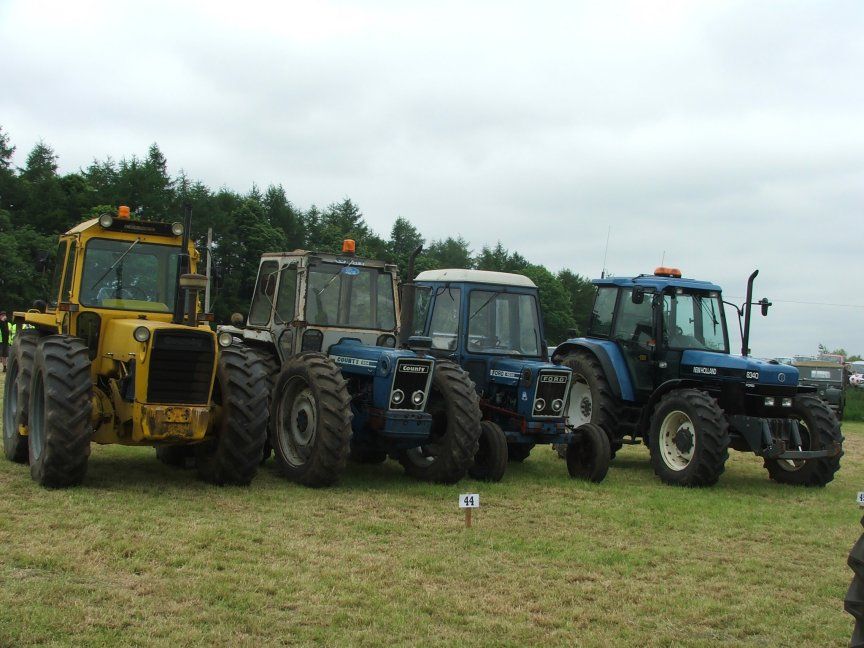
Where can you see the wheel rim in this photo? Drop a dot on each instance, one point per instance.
(677, 440)
(791, 465)
(36, 421)
(297, 422)
(10, 408)
(581, 405)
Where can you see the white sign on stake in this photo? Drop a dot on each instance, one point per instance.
(860, 499)
(472, 500)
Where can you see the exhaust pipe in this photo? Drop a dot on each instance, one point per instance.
(745, 339)
(183, 265)
(408, 295)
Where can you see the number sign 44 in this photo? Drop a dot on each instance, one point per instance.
(469, 500)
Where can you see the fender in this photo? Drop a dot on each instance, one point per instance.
(610, 358)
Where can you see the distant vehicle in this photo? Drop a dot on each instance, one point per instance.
(828, 378)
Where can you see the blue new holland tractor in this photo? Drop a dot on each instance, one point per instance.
(326, 327)
(489, 323)
(655, 367)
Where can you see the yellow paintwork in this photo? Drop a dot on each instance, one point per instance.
(114, 419)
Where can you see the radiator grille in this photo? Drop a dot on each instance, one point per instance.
(551, 386)
(181, 363)
(411, 375)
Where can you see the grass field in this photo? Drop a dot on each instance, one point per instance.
(146, 555)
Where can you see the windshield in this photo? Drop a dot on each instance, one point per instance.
(128, 275)
(822, 374)
(505, 323)
(694, 321)
(350, 296)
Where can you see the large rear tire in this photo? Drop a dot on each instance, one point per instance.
(689, 439)
(58, 418)
(854, 602)
(271, 367)
(454, 439)
(232, 455)
(819, 429)
(588, 454)
(490, 462)
(310, 429)
(591, 399)
(16, 394)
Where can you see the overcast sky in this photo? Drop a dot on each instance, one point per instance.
(726, 136)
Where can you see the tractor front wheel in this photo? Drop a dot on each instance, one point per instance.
(454, 439)
(232, 455)
(819, 429)
(60, 405)
(588, 454)
(310, 429)
(16, 394)
(689, 439)
(490, 462)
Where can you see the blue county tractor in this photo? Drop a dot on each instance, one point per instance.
(655, 366)
(326, 327)
(490, 324)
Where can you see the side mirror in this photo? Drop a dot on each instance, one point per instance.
(764, 303)
(638, 295)
(41, 261)
(237, 320)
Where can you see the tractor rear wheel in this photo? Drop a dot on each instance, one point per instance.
(232, 455)
(490, 462)
(854, 602)
(588, 454)
(689, 439)
(454, 439)
(310, 429)
(591, 399)
(271, 367)
(60, 405)
(819, 429)
(519, 452)
(16, 394)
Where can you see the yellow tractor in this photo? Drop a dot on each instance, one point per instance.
(119, 352)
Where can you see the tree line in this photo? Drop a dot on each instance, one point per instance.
(37, 203)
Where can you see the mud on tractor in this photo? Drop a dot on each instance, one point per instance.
(490, 324)
(656, 367)
(326, 326)
(121, 354)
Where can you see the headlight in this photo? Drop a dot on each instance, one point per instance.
(177, 229)
(539, 404)
(418, 396)
(141, 334)
(397, 397)
(557, 404)
(787, 402)
(106, 220)
(225, 339)
(769, 401)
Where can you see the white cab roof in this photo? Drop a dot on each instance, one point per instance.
(476, 276)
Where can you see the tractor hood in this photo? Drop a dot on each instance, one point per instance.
(506, 371)
(354, 357)
(705, 365)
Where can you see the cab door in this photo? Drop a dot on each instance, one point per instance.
(634, 331)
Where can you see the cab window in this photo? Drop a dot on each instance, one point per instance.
(444, 329)
(634, 321)
(265, 290)
(604, 310)
(59, 262)
(286, 301)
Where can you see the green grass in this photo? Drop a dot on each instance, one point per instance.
(854, 404)
(145, 555)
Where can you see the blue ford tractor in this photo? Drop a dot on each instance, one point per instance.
(326, 327)
(655, 367)
(490, 324)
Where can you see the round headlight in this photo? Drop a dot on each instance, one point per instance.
(106, 220)
(557, 404)
(539, 404)
(417, 397)
(142, 334)
(398, 396)
(225, 339)
(177, 229)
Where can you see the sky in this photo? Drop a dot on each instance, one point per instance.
(717, 137)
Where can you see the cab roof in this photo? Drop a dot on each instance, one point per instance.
(453, 275)
(657, 283)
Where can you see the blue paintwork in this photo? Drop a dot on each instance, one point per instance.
(377, 364)
(611, 352)
(657, 283)
(501, 373)
(768, 373)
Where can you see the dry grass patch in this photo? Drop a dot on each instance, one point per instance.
(142, 554)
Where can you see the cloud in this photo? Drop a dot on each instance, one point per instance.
(723, 135)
